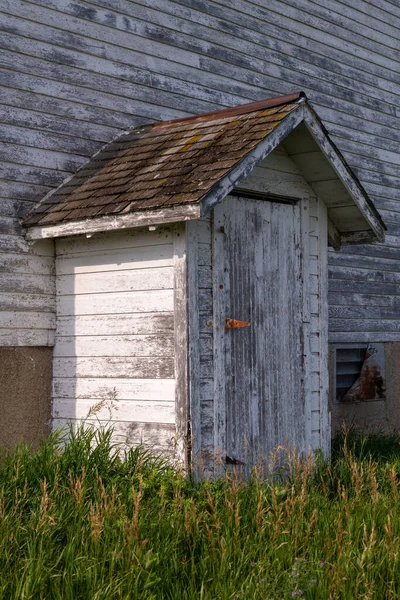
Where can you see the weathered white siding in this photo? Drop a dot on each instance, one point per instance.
(114, 349)
(76, 73)
(279, 173)
(27, 293)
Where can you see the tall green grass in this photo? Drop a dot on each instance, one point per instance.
(78, 521)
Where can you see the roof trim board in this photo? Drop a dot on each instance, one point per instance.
(351, 183)
(115, 222)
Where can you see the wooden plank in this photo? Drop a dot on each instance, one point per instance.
(96, 103)
(201, 339)
(22, 114)
(159, 278)
(81, 388)
(344, 285)
(314, 342)
(130, 240)
(119, 302)
(157, 437)
(373, 299)
(13, 134)
(313, 165)
(26, 320)
(118, 355)
(334, 236)
(117, 260)
(303, 344)
(12, 301)
(27, 284)
(221, 289)
(120, 410)
(109, 223)
(118, 324)
(204, 251)
(50, 159)
(360, 274)
(279, 160)
(192, 245)
(10, 207)
(21, 191)
(182, 409)
(364, 337)
(135, 367)
(26, 264)
(220, 32)
(52, 106)
(284, 32)
(315, 421)
(13, 244)
(324, 423)
(27, 337)
(369, 324)
(127, 345)
(388, 310)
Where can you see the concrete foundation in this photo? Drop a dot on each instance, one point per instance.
(377, 415)
(25, 394)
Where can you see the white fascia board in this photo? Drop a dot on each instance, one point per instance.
(113, 223)
(344, 174)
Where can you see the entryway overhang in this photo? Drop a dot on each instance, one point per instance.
(179, 170)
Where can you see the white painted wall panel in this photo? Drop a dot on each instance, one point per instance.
(114, 347)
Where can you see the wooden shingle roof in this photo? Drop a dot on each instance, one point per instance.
(178, 170)
(163, 165)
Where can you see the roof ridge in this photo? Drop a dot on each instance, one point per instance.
(234, 110)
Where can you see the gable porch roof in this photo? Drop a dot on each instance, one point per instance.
(178, 170)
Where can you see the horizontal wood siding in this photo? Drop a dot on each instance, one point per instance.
(75, 74)
(114, 349)
(27, 292)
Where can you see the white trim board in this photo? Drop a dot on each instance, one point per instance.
(114, 223)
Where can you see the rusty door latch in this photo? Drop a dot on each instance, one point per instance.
(234, 324)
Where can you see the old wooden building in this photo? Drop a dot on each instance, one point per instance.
(74, 75)
(202, 331)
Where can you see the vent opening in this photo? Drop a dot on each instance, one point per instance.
(359, 373)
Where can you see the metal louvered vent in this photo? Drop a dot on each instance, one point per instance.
(360, 373)
(348, 368)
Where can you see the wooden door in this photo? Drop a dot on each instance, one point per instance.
(259, 398)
